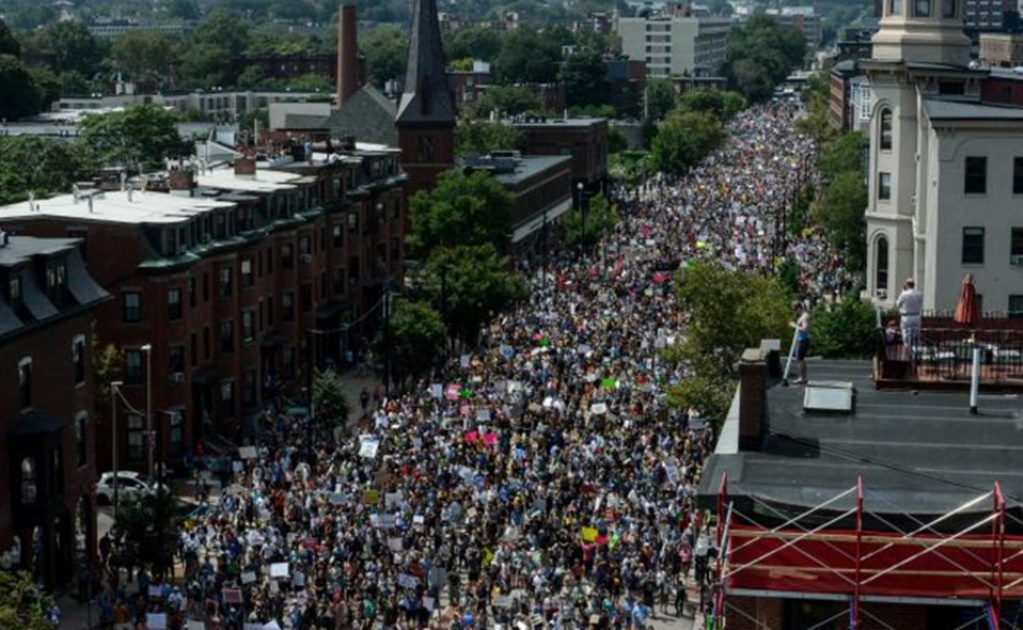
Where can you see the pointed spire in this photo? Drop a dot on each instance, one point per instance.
(426, 98)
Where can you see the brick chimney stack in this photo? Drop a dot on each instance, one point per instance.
(347, 54)
(752, 399)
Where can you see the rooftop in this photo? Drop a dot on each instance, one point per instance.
(560, 122)
(21, 249)
(528, 166)
(919, 451)
(115, 207)
(938, 109)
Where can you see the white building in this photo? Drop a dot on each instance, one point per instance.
(673, 45)
(945, 170)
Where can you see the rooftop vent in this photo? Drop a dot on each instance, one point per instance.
(832, 397)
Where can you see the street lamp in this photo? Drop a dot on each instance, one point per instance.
(115, 391)
(582, 210)
(148, 349)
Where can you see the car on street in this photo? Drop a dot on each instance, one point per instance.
(130, 484)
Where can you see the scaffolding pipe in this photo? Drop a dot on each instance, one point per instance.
(859, 553)
(998, 531)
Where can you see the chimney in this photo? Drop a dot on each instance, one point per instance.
(89, 197)
(130, 190)
(245, 167)
(347, 54)
(181, 181)
(752, 399)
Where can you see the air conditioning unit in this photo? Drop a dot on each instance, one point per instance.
(178, 377)
(307, 258)
(1016, 260)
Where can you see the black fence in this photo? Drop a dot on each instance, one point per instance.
(947, 354)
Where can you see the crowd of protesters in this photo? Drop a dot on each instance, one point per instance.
(541, 480)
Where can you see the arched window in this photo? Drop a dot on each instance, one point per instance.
(881, 267)
(886, 130)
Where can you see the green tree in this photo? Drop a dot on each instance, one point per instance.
(684, 139)
(816, 95)
(205, 66)
(462, 209)
(508, 100)
(474, 42)
(527, 56)
(20, 95)
(253, 77)
(225, 30)
(144, 56)
(184, 9)
(146, 532)
(311, 83)
(9, 44)
(729, 312)
(32, 164)
(840, 212)
(386, 51)
(418, 337)
(482, 137)
(585, 79)
(469, 284)
(139, 137)
(723, 105)
(22, 603)
(73, 48)
(843, 155)
(47, 84)
(107, 367)
(760, 53)
(660, 98)
(329, 399)
(846, 331)
(601, 217)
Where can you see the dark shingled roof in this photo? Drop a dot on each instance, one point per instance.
(427, 96)
(368, 116)
(922, 453)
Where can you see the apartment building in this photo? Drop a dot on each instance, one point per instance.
(674, 44)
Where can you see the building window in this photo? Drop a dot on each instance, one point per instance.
(227, 336)
(177, 434)
(305, 246)
(306, 296)
(975, 179)
(894, 7)
(1017, 176)
(948, 9)
(288, 307)
(173, 304)
(136, 438)
(886, 129)
(884, 186)
(1016, 247)
(25, 382)
(133, 366)
(226, 289)
(78, 358)
(287, 256)
(337, 236)
(922, 8)
(14, 290)
(205, 286)
(227, 397)
(1016, 307)
(191, 291)
(247, 278)
(269, 259)
(176, 359)
(288, 362)
(973, 246)
(81, 452)
(248, 326)
(132, 301)
(881, 267)
(28, 480)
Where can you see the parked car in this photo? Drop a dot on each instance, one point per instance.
(130, 484)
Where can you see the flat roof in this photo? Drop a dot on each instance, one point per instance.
(527, 166)
(115, 207)
(559, 122)
(20, 249)
(938, 109)
(918, 452)
(265, 180)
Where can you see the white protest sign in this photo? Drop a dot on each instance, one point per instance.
(247, 452)
(156, 621)
(598, 409)
(248, 577)
(279, 570)
(369, 448)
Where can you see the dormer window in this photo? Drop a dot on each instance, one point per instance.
(56, 276)
(14, 290)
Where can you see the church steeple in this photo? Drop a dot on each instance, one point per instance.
(426, 98)
(426, 110)
(922, 31)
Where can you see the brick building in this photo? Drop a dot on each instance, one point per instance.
(584, 139)
(47, 307)
(224, 274)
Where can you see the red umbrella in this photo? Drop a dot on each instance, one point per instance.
(967, 310)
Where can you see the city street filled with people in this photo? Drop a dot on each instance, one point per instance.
(540, 480)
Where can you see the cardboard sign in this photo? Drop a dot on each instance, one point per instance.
(155, 590)
(490, 439)
(407, 581)
(156, 621)
(247, 452)
(232, 595)
(370, 497)
(248, 577)
(437, 390)
(395, 544)
(598, 409)
(279, 570)
(392, 500)
(589, 534)
(369, 448)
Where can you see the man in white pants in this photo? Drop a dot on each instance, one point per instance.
(911, 305)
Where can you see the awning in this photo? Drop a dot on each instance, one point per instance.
(35, 422)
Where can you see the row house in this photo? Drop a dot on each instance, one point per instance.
(48, 303)
(229, 283)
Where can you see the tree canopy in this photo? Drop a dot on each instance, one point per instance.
(508, 100)
(22, 604)
(601, 217)
(329, 401)
(20, 95)
(527, 56)
(386, 51)
(760, 54)
(730, 311)
(462, 209)
(482, 137)
(585, 79)
(417, 338)
(685, 138)
(39, 165)
(139, 136)
(723, 105)
(146, 531)
(474, 42)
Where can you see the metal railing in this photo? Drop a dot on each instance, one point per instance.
(946, 354)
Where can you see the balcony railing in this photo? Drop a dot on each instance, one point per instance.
(945, 354)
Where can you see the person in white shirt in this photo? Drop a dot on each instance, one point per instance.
(911, 305)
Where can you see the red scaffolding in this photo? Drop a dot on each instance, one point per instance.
(811, 556)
